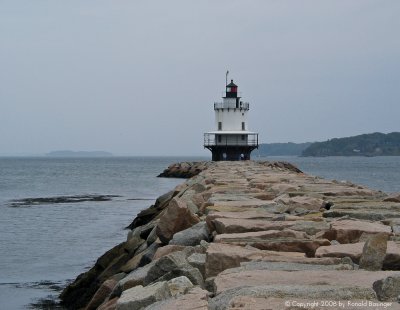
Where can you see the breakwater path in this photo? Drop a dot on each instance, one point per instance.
(252, 235)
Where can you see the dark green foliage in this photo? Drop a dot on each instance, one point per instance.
(374, 144)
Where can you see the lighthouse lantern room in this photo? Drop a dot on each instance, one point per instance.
(231, 140)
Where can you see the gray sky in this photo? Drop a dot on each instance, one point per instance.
(140, 77)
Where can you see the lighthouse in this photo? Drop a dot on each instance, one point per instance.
(231, 139)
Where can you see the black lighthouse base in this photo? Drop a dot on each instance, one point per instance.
(231, 153)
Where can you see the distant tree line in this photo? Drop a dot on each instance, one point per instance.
(374, 144)
(282, 149)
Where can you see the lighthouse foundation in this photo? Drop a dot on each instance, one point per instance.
(230, 146)
(220, 153)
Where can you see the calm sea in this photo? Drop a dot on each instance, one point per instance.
(45, 245)
(380, 173)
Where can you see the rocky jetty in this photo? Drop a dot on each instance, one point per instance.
(251, 235)
(185, 169)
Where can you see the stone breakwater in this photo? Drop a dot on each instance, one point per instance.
(252, 235)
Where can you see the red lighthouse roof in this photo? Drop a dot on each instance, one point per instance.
(231, 90)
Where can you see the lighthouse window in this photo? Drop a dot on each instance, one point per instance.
(243, 137)
(219, 138)
(243, 126)
(219, 125)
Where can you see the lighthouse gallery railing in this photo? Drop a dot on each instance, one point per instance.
(212, 139)
(231, 105)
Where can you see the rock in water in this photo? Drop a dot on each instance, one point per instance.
(374, 252)
(102, 293)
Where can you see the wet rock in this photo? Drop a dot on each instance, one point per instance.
(115, 267)
(374, 252)
(176, 217)
(145, 216)
(81, 291)
(109, 305)
(102, 293)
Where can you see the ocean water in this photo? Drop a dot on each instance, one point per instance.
(380, 173)
(45, 245)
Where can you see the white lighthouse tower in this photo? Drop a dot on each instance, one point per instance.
(231, 140)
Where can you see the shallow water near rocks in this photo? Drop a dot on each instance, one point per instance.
(46, 241)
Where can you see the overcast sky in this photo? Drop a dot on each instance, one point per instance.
(140, 77)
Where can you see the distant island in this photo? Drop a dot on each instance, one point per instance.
(79, 154)
(282, 149)
(374, 144)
